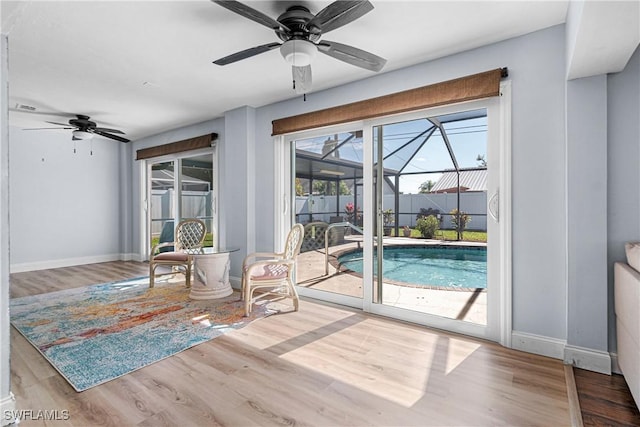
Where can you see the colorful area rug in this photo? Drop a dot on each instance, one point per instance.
(94, 334)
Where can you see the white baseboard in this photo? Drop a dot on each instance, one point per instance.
(7, 409)
(59, 263)
(70, 262)
(235, 282)
(537, 344)
(589, 359)
(131, 257)
(580, 357)
(615, 368)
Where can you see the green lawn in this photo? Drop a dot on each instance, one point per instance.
(208, 240)
(467, 236)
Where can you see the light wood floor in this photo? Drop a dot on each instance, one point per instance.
(322, 366)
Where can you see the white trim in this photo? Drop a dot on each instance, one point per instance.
(131, 257)
(589, 359)
(8, 406)
(144, 210)
(283, 211)
(146, 193)
(368, 293)
(615, 367)
(499, 326)
(537, 344)
(5, 268)
(505, 212)
(334, 298)
(431, 321)
(235, 282)
(66, 262)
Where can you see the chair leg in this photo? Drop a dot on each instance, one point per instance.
(188, 275)
(151, 274)
(247, 302)
(294, 295)
(243, 285)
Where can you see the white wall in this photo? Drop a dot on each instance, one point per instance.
(237, 205)
(623, 173)
(7, 401)
(64, 206)
(125, 228)
(587, 221)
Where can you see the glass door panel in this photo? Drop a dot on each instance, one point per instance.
(162, 203)
(197, 195)
(327, 187)
(430, 201)
(187, 194)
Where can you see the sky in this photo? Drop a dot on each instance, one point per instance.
(468, 139)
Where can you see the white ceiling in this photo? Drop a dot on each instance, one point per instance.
(145, 67)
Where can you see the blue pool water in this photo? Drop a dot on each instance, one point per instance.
(440, 266)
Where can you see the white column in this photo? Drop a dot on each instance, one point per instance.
(587, 316)
(7, 401)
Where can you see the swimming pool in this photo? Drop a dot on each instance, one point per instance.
(451, 267)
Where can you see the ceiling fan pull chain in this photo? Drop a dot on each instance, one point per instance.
(74, 146)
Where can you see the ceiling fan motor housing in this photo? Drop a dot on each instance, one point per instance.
(296, 18)
(82, 122)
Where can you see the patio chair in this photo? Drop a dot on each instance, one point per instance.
(189, 236)
(272, 273)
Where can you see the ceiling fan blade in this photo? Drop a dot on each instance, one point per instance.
(250, 13)
(352, 55)
(109, 130)
(61, 124)
(301, 78)
(48, 128)
(337, 14)
(247, 53)
(108, 135)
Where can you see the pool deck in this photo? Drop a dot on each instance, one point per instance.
(466, 305)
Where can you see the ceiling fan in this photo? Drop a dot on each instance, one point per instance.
(83, 128)
(301, 32)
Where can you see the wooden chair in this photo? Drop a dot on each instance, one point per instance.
(188, 238)
(272, 273)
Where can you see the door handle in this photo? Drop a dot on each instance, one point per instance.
(494, 206)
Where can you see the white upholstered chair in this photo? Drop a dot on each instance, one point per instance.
(272, 273)
(188, 238)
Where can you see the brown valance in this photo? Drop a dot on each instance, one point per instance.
(477, 86)
(203, 141)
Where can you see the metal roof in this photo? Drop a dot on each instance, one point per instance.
(470, 180)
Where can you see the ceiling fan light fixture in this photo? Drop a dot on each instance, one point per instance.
(81, 134)
(298, 52)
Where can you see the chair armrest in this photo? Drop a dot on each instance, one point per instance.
(255, 255)
(289, 263)
(161, 245)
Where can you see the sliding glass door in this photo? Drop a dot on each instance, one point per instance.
(398, 220)
(430, 238)
(189, 193)
(327, 189)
